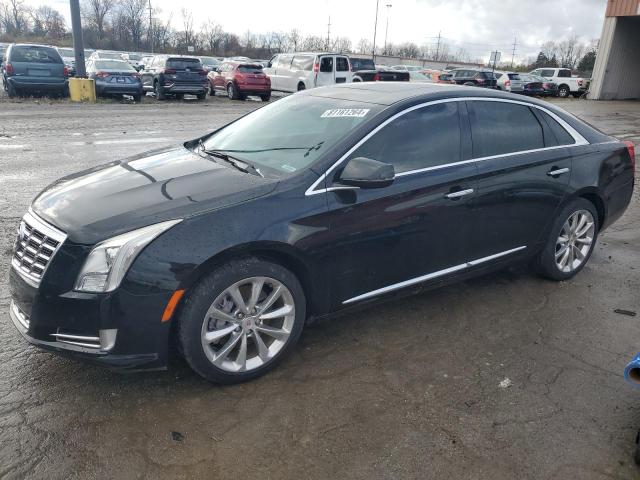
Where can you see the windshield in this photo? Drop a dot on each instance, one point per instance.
(135, 56)
(291, 134)
(114, 65)
(250, 68)
(35, 54)
(110, 55)
(362, 64)
(184, 63)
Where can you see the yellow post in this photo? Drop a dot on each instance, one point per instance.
(82, 90)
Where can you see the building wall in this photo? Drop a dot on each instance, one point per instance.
(617, 68)
(617, 8)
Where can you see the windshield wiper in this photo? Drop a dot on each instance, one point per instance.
(241, 165)
(310, 149)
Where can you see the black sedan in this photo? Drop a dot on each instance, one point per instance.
(324, 200)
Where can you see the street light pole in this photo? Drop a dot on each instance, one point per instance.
(386, 30)
(78, 44)
(375, 31)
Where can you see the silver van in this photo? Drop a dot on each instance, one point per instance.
(291, 72)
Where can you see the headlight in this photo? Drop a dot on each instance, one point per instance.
(108, 262)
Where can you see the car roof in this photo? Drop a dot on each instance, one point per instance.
(388, 93)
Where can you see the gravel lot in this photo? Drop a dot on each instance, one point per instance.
(505, 376)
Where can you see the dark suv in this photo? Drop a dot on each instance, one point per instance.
(174, 75)
(33, 68)
(475, 77)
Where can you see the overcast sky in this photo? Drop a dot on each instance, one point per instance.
(477, 25)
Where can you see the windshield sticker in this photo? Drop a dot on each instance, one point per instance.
(345, 112)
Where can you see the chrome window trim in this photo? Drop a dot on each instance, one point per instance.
(579, 140)
(430, 276)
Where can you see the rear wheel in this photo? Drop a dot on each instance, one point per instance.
(301, 86)
(11, 90)
(212, 91)
(266, 97)
(571, 241)
(563, 91)
(202, 96)
(241, 320)
(232, 92)
(159, 91)
(137, 98)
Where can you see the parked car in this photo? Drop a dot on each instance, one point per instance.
(237, 59)
(550, 88)
(327, 199)
(134, 59)
(115, 77)
(474, 77)
(567, 84)
(146, 60)
(264, 63)
(364, 70)
(508, 81)
(419, 77)
(531, 85)
(69, 58)
(210, 63)
(30, 68)
(238, 80)
(175, 75)
(105, 55)
(300, 71)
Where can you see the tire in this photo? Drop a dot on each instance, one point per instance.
(469, 84)
(12, 92)
(232, 92)
(266, 97)
(212, 92)
(301, 86)
(158, 90)
(576, 249)
(137, 98)
(219, 359)
(563, 91)
(202, 96)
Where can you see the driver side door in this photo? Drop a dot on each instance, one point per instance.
(415, 229)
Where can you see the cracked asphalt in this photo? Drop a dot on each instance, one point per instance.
(501, 377)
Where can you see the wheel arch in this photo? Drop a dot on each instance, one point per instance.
(595, 197)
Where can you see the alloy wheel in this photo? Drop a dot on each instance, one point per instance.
(248, 324)
(575, 241)
(230, 92)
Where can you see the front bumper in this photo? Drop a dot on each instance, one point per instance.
(119, 330)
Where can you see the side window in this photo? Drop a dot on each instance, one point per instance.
(284, 61)
(342, 64)
(326, 64)
(547, 73)
(561, 136)
(498, 75)
(564, 73)
(302, 62)
(501, 127)
(426, 137)
(273, 63)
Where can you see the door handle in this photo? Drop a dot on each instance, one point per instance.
(554, 172)
(459, 193)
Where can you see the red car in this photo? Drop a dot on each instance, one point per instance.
(240, 79)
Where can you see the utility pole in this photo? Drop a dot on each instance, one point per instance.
(150, 28)
(78, 44)
(375, 31)
(328, 32)
(513, 52)
(386, 31)
(438, 48)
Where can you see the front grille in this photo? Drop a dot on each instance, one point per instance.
(35, 246)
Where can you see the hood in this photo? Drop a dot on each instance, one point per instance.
(99, 203)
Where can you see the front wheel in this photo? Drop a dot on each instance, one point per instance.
(159, 91)
(571, 241)
(241, 320)
(232, 92)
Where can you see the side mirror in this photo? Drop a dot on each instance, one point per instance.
(367, 173)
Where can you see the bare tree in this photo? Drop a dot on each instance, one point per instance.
(188, 34)
(14, 17)
(341, 44)
(95, 13)
(132, 17)
(295, 40)
(365, 46)
(570, 52)
(211, 34)
(47, 22)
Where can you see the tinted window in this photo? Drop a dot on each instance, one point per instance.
(547, 73)
(113, 65)
(35, 54)
(564, 73)
(342, 64)
(500, 127)
(290, 134)
(426, 137)
(326, 64)
(513, 76)
(562, 137)
(498, 75)
(250, 68)
(362, 64)
(184, 63)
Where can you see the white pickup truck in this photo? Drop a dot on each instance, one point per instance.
(566, 83)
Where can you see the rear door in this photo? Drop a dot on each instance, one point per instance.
(189, 71)
(419, 225)
(326, 73)
(283, 73)
(37, 65)
(524, 176)
(343, 70)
